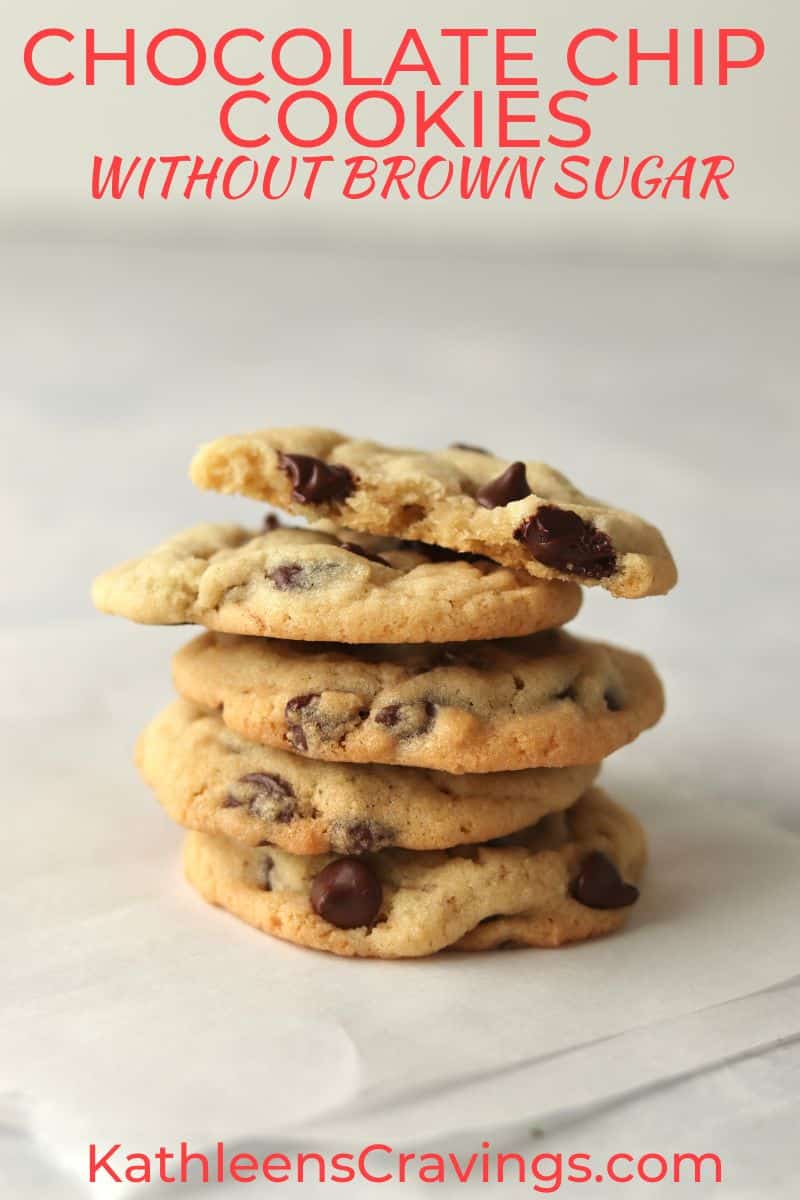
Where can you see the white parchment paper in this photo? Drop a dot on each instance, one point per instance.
(134, 1013)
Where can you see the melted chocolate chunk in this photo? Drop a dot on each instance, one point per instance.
(298, 703)
(411, 719)
(600, 885)
(563, 540)
(354, 548)
(511, 485)
(273, 799)
(287, 577)
(362, 837)
(267, 863)
(270, 523)
(346, 894)
(307, 718)
(295, 734)
(437, 554)
(613, 699)
(467, 446)
(314, 481)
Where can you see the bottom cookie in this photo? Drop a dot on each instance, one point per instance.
(568, 878)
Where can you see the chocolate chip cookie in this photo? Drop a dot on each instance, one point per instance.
(547, 700)
(210, 779)
(308, 584)
(524, 515)
(570, 877)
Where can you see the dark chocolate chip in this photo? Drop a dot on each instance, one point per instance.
(438, 554)
(613, 699)
(273, 799)
(295, 734)
(563, 540)
(296, 737)
(298, 703)
(267, 863)
(411, 719)
(346, 894)
(600, 885)
(467, 446)
(270, 523)
(388, 716)
(314, 481)
(306, 718)
(361, 837)
(275, 785)
(511, 485)
(287, 577)
(354, 548)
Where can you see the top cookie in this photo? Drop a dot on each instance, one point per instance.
(307, 585)
(524, 515)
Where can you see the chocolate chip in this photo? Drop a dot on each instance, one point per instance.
(346, 894)
(563, 540)
(410, 719)
(295, 734)
(314, 481)
(437, 554)
(330, 718)
(270, 523)
(466, 446)
(613, 699)
(274, 784)
(600, 885)
(388, 716)
(273, 799)
(296, 737)
(361, 837)
(232, 802)
(298, 703)
(509, 486)
(354, 548)
(288, 577)
(567, 693)
(267, 863)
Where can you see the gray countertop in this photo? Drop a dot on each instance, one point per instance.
(668, 385)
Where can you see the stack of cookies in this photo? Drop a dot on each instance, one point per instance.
(385, 744)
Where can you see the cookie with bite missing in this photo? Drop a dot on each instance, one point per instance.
(571, 877)
(210, 779)
(546, 700)
(312, 585)
(525, 515)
